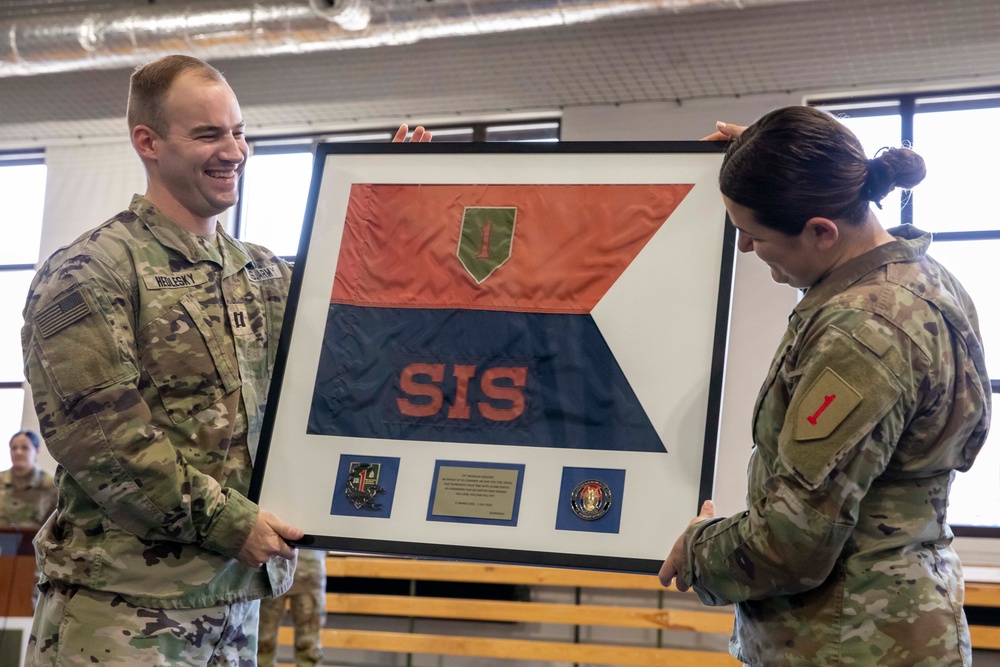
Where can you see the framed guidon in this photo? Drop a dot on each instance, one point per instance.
(502, 352)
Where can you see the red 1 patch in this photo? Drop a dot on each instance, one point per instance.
(826, 403)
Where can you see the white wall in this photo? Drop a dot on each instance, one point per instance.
(666, 121)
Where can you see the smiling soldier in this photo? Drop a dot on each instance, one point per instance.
(148, 344)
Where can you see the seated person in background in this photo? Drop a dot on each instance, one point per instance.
(27, 493)
(307, 598)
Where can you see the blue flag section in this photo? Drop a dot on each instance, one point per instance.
(476, 376)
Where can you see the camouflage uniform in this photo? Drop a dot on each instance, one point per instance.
(878, 393)
(112, 632)
(307, 599)
(25, 502)
(149, 351)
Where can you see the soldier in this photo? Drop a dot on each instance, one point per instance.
(307, 600)
(878, 393)
(27, 493)
(148, 343)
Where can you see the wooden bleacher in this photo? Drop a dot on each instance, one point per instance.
(983, 592)
(982, 589)
(516, 612)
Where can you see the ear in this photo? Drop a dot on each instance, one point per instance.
(822, 233)
(144, 140)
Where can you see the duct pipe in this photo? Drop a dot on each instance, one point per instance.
(235, 28)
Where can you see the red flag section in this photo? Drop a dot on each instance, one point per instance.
(462, 246)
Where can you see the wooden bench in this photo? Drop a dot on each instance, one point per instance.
(982, 589)
(660, 618)
(654, 618)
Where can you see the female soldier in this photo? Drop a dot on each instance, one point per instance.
(27, 493)
(877, 394)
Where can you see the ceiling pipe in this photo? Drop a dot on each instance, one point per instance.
(215, 29)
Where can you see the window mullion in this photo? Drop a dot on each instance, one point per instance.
(907, 104)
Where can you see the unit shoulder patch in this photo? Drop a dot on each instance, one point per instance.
(825, 405)
(844, 393)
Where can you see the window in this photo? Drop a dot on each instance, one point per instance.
(22, 197)
(275, 185)
(275, 189)
(955, 203)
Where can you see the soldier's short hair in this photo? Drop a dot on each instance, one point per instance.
(150, 83)
(31, 436)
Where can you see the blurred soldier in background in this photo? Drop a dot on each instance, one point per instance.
(27, 493)
(307, 599)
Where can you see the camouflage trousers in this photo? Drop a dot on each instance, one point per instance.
(84, 627)
(308, 616)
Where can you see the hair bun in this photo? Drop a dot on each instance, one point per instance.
(892, 168)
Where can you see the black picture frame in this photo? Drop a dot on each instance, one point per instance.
(674, 294)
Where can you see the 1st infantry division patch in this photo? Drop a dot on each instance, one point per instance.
(826, 403)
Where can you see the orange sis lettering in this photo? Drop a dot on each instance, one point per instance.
(502, 383)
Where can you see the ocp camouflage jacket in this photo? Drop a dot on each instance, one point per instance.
(878, 393)
(149, 351)
(25, 502)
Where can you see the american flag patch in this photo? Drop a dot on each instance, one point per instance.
(64, 312)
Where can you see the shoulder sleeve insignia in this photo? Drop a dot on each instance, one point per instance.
(70, 309)
(826, 403)
(845, 392)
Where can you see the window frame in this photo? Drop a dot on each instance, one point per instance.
(907, 106)
(19, 158)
